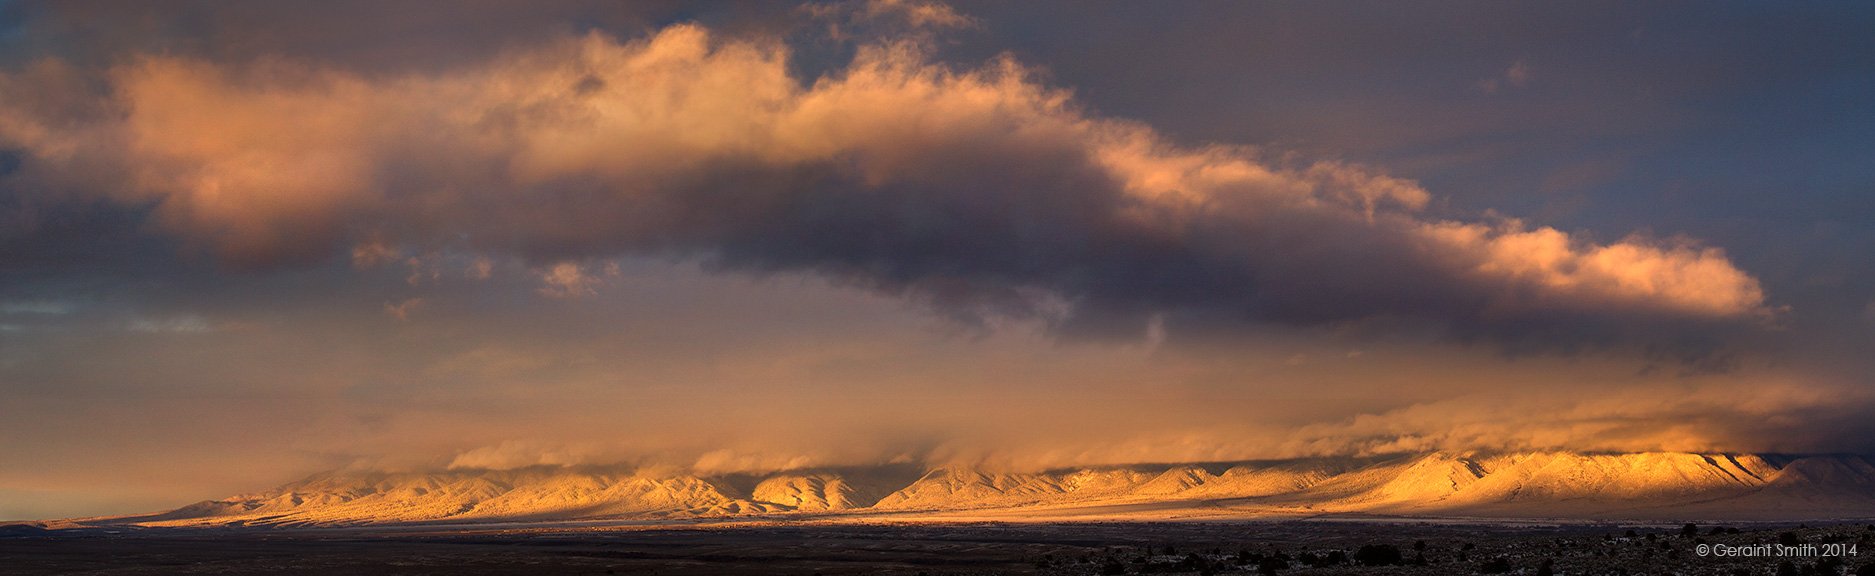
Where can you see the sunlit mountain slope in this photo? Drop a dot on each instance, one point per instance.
(1526, 485)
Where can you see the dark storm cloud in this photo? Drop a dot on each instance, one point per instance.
(979, 189)
(1743, 124)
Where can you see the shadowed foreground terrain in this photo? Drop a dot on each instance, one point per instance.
(1290, 547)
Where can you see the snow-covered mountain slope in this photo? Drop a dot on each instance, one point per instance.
(1543, 485)
(337, 499)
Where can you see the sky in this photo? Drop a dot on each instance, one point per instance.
(243, 243)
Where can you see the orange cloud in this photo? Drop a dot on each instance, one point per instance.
(1634, 272)
(979, 188)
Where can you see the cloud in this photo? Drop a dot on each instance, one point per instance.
(727, 461)
(479, 268)
(401, 310)
(1762, 414)
(48, 307)
(187, 324)
(1764, 411)
(368, 254)
(904, 18)
(1519, 74)
(1677, 274)
(570, 279)
(513, 454)
(979, 191)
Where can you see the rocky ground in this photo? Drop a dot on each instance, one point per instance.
(1290, 547)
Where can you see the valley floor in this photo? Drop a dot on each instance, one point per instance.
(1304, 546)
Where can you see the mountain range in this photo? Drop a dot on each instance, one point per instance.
(1543, 485)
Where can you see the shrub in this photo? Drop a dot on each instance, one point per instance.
(1245, 556)
(1310, 559)
(1377, 555)
(1494, 566)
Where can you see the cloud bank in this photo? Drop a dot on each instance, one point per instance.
(981, 191)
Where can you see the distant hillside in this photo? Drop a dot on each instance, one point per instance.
(1530, 485)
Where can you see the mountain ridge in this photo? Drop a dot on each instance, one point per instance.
(1648, 485)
